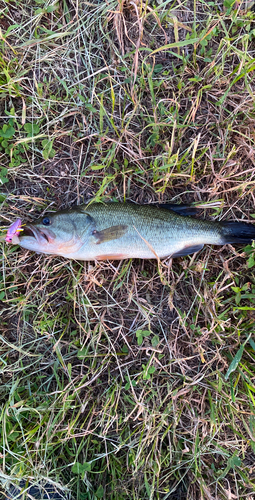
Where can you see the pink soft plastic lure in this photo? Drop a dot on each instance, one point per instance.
(15, 228)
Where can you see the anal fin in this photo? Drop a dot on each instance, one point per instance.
(188, 251)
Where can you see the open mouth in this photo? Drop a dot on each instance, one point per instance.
(39, 234)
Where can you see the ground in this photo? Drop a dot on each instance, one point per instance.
(128, 379)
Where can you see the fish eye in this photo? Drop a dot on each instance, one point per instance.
(46, 221)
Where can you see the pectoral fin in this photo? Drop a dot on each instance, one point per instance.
(188, 251)
(110, 233)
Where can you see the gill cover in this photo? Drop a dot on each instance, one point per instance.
(62, 233)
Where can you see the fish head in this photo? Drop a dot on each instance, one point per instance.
(62, 233)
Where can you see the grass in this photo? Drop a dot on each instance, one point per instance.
(128, 380)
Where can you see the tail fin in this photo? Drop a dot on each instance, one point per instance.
(237, 232)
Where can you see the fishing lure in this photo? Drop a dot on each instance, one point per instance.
(14, 229)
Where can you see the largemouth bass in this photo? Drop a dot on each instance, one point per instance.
(101, 231)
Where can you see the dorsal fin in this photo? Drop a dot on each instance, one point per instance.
(181, 209)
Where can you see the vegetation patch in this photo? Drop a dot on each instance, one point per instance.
(128, 379)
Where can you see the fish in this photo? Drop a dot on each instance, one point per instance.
(116, 231)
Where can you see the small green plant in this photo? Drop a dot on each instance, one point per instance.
(250, 250)
(80, 469)
(14, 151)
(148, 371)
(48, 151)
(141, 334)
(8, 75)
(17, 151)
(45, 10)
(31, 129)
(129, 383)
(232, 463)
(206, 36)
(229, 4)
(238, 291)
(7, 132)
(3, 175)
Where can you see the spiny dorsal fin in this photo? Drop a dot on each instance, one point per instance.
(181, 208)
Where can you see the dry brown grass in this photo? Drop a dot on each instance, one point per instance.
(134, 120)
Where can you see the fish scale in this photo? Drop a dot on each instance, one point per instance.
(151, 231)
(101, 231)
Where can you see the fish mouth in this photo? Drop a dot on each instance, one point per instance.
(42, 236)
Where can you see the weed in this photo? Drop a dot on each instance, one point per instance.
(127, 379)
